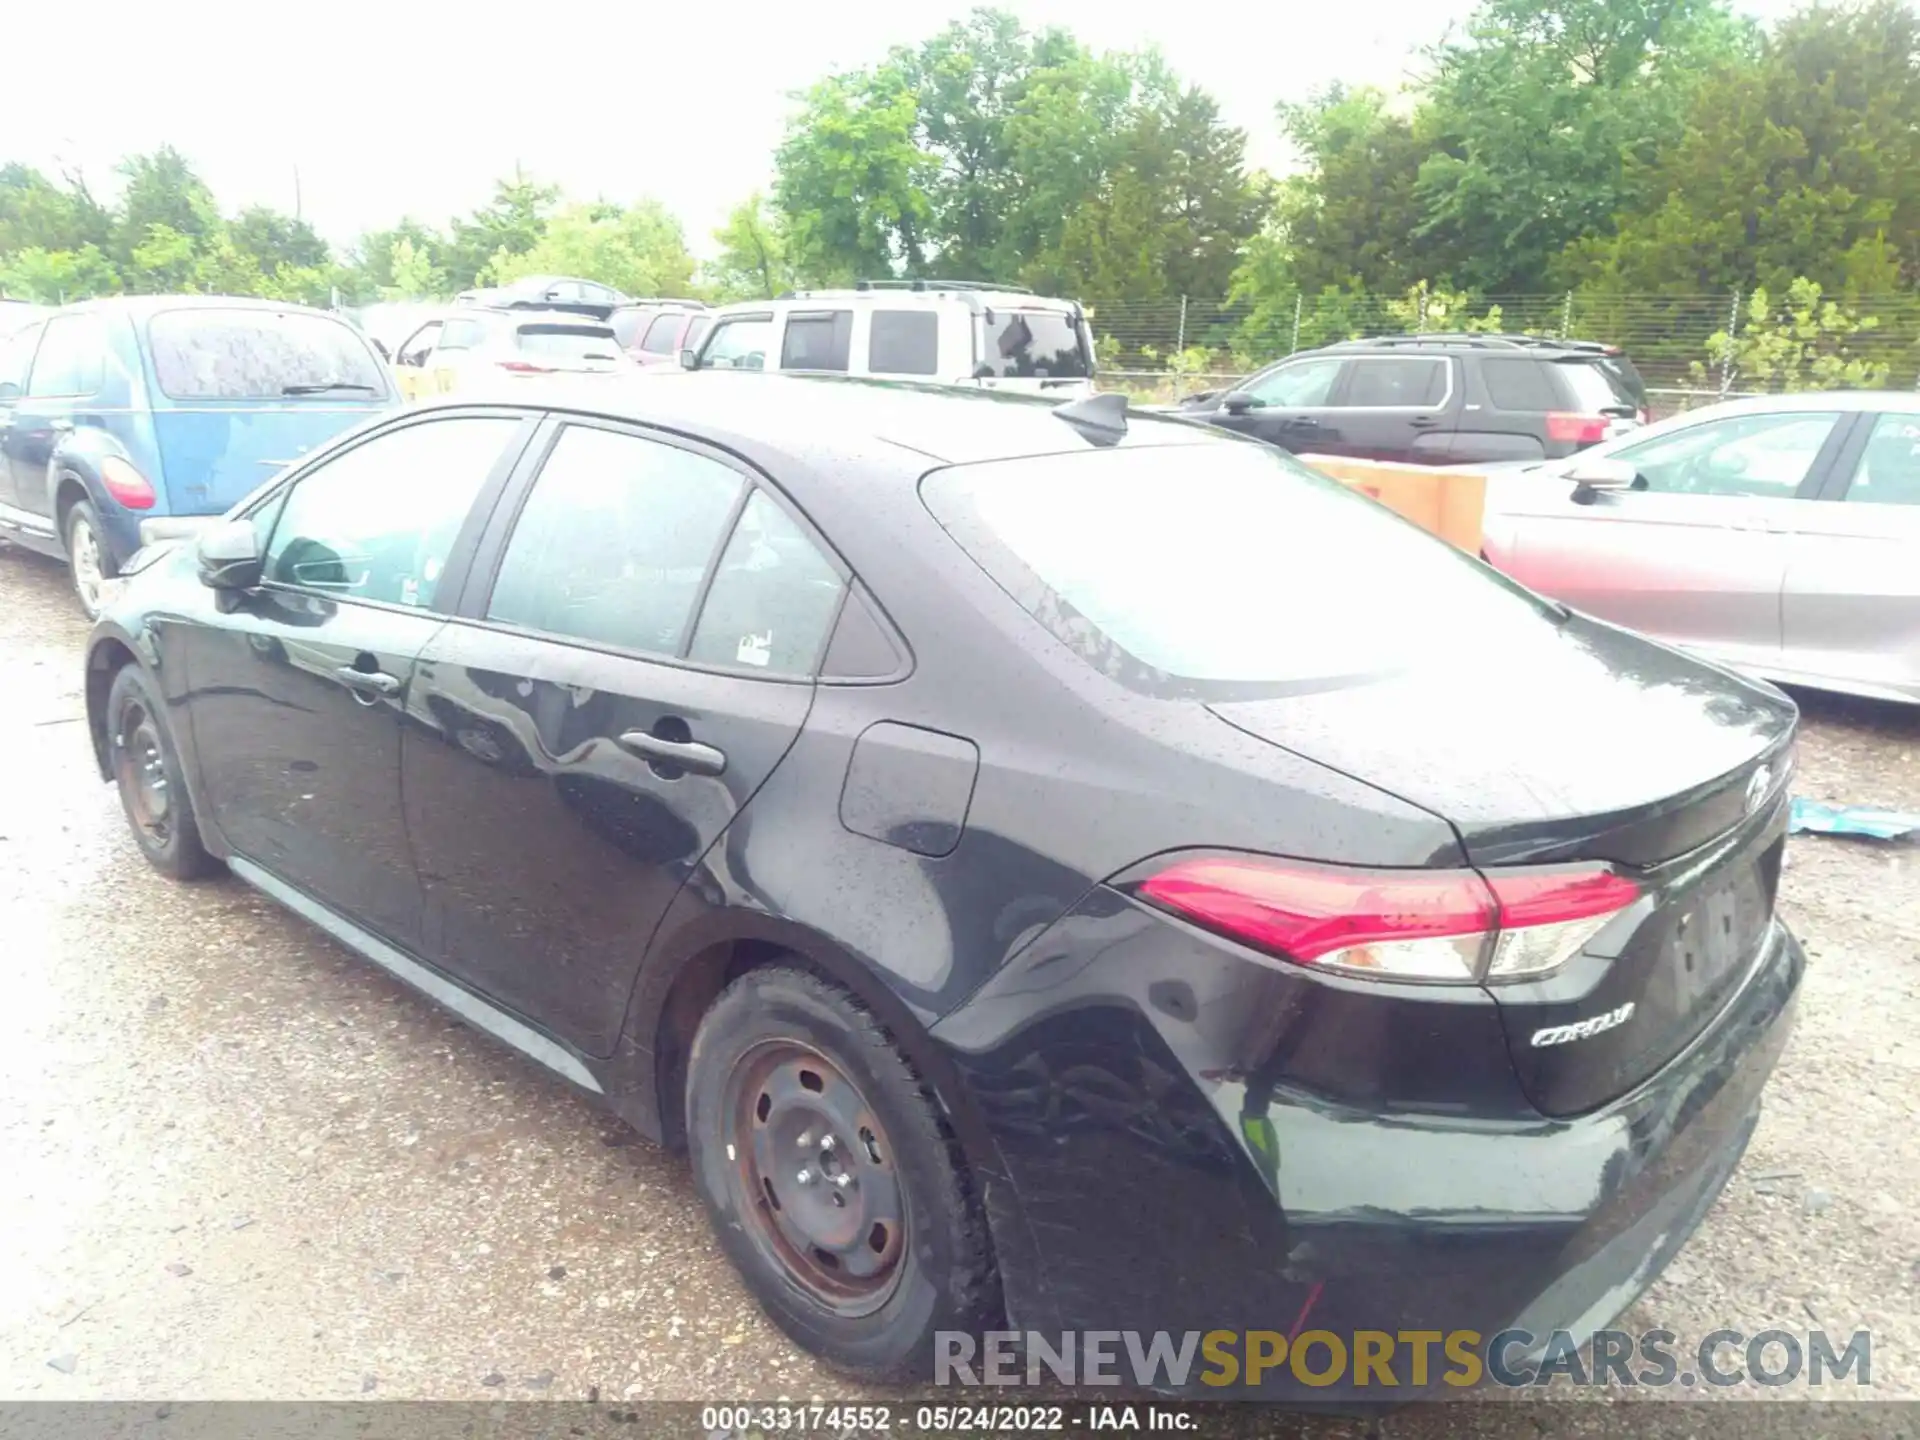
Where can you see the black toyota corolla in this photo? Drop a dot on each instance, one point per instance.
(1052, 870)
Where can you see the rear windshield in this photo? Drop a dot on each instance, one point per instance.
(577, 343)
(1026, 344)
(1224, 571)
(627, 325)
(1595, 386)
(255, 354)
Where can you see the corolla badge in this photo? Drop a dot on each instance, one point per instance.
(1581, 1029)
(1758, 787)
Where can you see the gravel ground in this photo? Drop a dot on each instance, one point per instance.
(237, 1163)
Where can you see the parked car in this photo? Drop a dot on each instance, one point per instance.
(129, 420)
(1779, 534)
(654, 332)
(1024, 895)
(1435, 399)
(947, 332)
(452, 350)
(540, 291)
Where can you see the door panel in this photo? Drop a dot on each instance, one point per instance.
(1393, 408)
(1292, 407)
(299, 764)
(548, 848)
(1850, 610)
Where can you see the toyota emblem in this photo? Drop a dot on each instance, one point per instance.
(1758, 786)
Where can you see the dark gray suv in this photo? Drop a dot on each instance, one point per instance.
(1436, 399)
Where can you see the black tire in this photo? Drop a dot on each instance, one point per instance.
(140, 749)
(941, 1275)
(84, 537)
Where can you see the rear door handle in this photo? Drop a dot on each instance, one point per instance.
(1424, 422)
(375, 682)
(687, 754)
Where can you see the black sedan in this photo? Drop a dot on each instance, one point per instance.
(1046, 867)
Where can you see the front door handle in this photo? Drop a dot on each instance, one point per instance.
(687, 754)
(374, 682)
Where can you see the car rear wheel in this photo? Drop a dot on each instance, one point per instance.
(87, 559)
(146, 770)
(831, 1178)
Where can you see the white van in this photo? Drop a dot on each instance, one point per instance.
(939, 331)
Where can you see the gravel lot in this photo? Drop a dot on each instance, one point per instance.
(237, 1163)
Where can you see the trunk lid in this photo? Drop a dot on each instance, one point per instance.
(1608, 748)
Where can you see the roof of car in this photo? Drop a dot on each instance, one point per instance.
(1846, 401)
(820, 416)
(144, 305)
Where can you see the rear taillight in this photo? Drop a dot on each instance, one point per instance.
(525, 367)
(1644, 415)
(126, 484)
(1446, 926)
(1576, 429)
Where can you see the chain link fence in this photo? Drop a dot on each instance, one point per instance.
(1164, 349)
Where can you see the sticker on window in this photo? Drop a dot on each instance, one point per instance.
(755, 649)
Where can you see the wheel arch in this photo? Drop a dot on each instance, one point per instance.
(106, 658)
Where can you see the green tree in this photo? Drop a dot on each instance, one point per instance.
(164, 206)
(36, 213)
(410, 271)
(1803, 163)
(514, 222)
(639, 249)
(369, 271)
(1810, 344)
(53, 277)
(752, 264)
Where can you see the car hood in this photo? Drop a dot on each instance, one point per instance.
(1604, 747)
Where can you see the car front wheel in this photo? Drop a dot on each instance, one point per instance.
(146, 770)
(832, 1179)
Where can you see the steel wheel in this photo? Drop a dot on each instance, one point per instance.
(140, 767)
(819, 1193)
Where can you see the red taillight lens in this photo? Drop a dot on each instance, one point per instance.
(126, 484)
(1451, 926)
(525, 367)
(1645, 416)
(1576, 429)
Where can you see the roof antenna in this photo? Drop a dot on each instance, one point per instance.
(1101, 418)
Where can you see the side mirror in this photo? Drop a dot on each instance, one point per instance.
(9, 392)
(689, 359)
(229, 556)
(1593, 477)
(1237, 402)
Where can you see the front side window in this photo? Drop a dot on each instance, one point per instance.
(817, 341)
(1157, 566)
(614, 540)
(1889, 471)
(903, 342)
(1394, 383)
(379, 521)
(627, 325)
(461, 335)
(773, 598)
(415, 349)
(1751, 456)
(215, 354)
(739, 344)
(16, 358)
(72, 358)
(1299, 386)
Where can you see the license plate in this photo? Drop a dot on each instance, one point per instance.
(1717, 932)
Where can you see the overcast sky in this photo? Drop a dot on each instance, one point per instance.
(409, 108)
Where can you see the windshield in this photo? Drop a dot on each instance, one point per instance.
(212, 354)
(575, 344)
(1024, 344)
(1224, 571)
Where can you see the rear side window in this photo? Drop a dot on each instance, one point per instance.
(1594, 388)
(662, 334)
(817, 341)
(213, 354)
(1393, 382)
(773, 598)
(72, 358)
(379, 521)
(1889, 472)
(1156, 567)
(576, 343)
(1028, 344)
(903, 342)
(1519, 385)
(614, 540)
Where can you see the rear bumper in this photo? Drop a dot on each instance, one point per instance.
(1176, 1152)
(174, 527)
